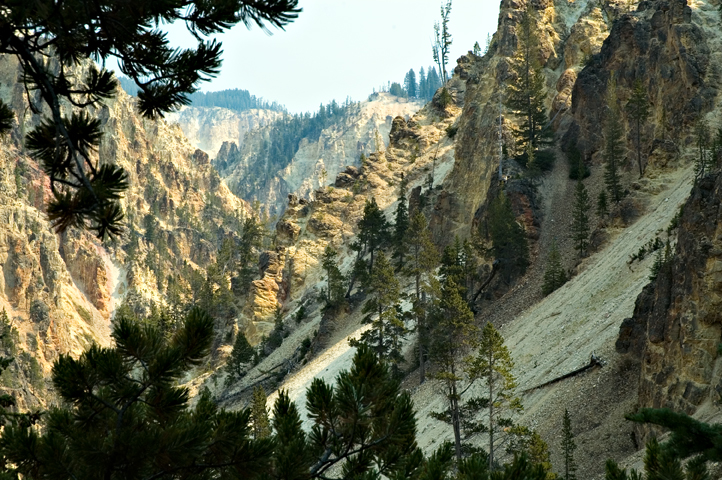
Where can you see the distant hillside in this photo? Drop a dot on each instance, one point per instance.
(234, 99)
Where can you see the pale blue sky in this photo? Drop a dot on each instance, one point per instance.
(339, 48)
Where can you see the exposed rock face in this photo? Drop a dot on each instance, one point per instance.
(677, 324)
(60, 291)
(317, 161)
(660, 45)
(208, 128)
(267, 294)
(568, 32)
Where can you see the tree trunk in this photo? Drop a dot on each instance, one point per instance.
(455, 421)
(491, 412)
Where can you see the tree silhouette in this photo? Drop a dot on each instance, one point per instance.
(85, 191)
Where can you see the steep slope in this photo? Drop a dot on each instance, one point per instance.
(207, 128)
(60, 291)
(268, 178)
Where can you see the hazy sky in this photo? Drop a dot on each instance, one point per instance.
(339, 48)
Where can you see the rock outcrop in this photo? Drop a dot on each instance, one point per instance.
(677, 323)
(317, 161)
(208, 128)
(661, 46)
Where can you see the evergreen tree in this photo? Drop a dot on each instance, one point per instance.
(241, 355)
(397, 90)
(580, 219)
(442, 41)
(433, 83)
(423, 85)
(251, 239)
(477, 49)
(602, 207)
(373, 231)
(382, 307)
(526, 95)
(454, 334)
(508, 240)
(401, 227)
(334, 293)
(494, 365)
(638, 111)
(554, 275)
(123, 415)
(613, 143)
(410, 84)
(568, 447)
(259, 414)
(86, 190)
(423, 259)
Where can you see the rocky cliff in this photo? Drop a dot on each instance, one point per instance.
(60, 290)
(208, 128)
(676, 328)
(317, 161)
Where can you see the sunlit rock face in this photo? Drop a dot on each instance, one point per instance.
(207, 128)
(268, 179)
(60, 290)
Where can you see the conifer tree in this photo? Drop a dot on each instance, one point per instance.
(568, 447)
(493, 364)
(638, 111)
(477, 49)
(526, 95)
(602, 207)
(613, 143)
(241, 355)
(86, 190)
(259, 414)
(580, 219)
(334, 293)
(410, 84)
(382, 309)
(554, 275)
(423, 259)
(442, 41)
(508, 240)
(401, 227)
(453, 336)
(373, 231)
(423, 85)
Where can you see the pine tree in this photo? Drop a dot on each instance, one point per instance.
(602, 207)
(382, 307)
(241, 355)
(259, 414)
(613, 143)
(442, 41)
(433, 83)
(638, 110)
(410, 84)
(554, 275)
(454, 334)
(509, 245)
(86, 190)
(373, 231)
(423, 259)
(123, 410)
(580, 219)
(423, 85)
(568, 447)
(334, 293)
(477, 49)
(526, 95)
(401, 227)
(493, 364)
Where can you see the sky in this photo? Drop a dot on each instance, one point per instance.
(340, 48)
